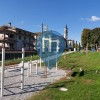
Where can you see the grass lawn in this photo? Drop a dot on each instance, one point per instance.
(83, 86)
(16, 61)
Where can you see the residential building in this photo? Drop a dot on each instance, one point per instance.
(13, 38)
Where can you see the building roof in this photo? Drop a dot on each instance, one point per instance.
(15, 30)
(37, 33)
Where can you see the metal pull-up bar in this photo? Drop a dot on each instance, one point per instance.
(2, 70)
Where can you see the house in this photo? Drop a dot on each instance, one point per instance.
(70, 44)
(13, 38)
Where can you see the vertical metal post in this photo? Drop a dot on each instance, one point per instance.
(36, 69)
(2, 71)
(40, 62)
(45, 69)
(30, 65)
(57, 50)
(28, 68)
(4, 41)
(48, 60)
(56, 61)
(22, 69)
(41, 45)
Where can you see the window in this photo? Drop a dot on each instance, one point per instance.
(19, 37)
(24, 45)
(29, 39)
(70, 43)
(24, 38)
(11, 36)
(19, 31)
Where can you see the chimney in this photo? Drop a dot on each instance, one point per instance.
(9, 24)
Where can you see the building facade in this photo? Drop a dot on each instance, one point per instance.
(15, 38)
(69, 42)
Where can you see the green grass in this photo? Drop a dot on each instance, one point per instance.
(16, 61)
(80, 87)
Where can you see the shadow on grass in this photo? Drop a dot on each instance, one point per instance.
(74, 74)
(81, 73)
(60, 84)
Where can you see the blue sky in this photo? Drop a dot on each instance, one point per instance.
(29, 15)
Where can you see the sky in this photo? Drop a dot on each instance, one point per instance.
(30, 14)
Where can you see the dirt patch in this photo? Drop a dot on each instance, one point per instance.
(88, 81)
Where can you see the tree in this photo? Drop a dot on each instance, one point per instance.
(76, 46)
(95, 37)
(79, 46)
(90, 38)
(85, 37)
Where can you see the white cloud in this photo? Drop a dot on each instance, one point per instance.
(93, 18)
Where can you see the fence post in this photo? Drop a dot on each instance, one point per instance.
(22, 69)
(2, 71)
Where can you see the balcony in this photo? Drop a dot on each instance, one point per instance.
(2, 37)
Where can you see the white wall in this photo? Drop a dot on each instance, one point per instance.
(6, 45)
(2, 36)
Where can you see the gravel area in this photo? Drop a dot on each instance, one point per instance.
(32, 84)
